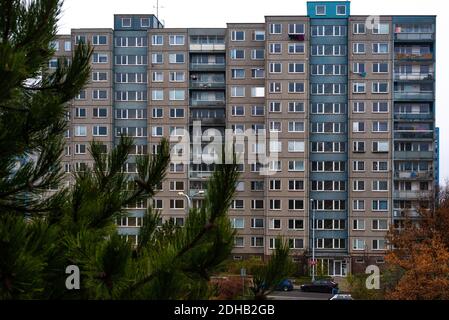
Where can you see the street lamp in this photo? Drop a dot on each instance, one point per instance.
(189, 198)
(313, 239)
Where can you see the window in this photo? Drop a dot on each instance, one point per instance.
(177, 95)
(80, 149)
(258, 110)
(380, 126)
(259, 35)
(380, 67)
(380, 185)
(258, 92)
(257, 242)
(380, 107)
(295, 48)
(295, 185)
(145, 22)
(238, 111)
(295, 87)
(157, 113)
(341, 10)
(275, 48)
(237, 223)
(237, 54)
(81, 95)
(176, 40)
(295, 146)
(99, 76)
(275, 106)
(176, 203)
(275, 28)
(296, 67)
(296, 126)
(358, 126)
(379, 244)
(358, 165)
(67, 46)
(275, 224)
(380, 87)
(55, 45)
(99, 131)
(53, 63)
(79, 39)
(237, 92)
(380, 48)
(176, 113)
(257, 223)
(99, 40)
(381, 28)
(296, 165)
(237, 204)
(380, 205)
(275, 146)
(157, 40)
(257, 185)
(238, 73)
(296, 28)
(99, 94)
(320, 10)
(358, 244)
(157, 95)
(176, 58)
(80, 112)
(358, 67)
(296, 224)
(358, 224)
(358, 48)
(358, 107)
(80, 131)
(275, 67)
(258, 73)
(157, 131)
(380, 146)
(358, 185)
(257, 204)
(126, 22)
(359, 87)
(380, 224)
(237, 35)
(380, 166)
(358, 205)
(295, 204)
(295, 106)
(158, 76)
(100, 112)
(257, 54)
(177, 76)
(358, 28)
(157, 58)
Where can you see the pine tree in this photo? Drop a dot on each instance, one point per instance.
(42, 234)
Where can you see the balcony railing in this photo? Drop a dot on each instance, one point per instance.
(200, 174)
(417, 155)
(206, 85)
(413, 76)
(413, 116)
(418, 95)
(207, 66)
(413, 134)
(412, 56)
(195, 103)
(208, 47)
(209, 121)
(414, 36)
(424, 175)
(409, 194)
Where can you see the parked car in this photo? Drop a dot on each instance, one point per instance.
(285, 285)
(342, 297)
(325, 286)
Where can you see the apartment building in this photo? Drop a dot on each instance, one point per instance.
(351, 99)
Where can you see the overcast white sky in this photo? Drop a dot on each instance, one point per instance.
(216, 13)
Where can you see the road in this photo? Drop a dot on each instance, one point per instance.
(297, 294)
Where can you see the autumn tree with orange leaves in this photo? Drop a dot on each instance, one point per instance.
(421, 254)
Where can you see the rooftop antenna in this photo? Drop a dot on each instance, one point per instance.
(157, 8)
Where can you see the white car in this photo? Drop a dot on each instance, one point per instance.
(342, 297)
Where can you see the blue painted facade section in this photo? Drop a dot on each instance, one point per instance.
(331, 9)
(329, 19)
(437, 156)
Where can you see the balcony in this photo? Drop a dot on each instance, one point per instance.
(414, 76)
(413, 95)
(414, 175)
(207, 47)
(414, 116)
(414, 57)
(209, 121)
(200, 174)
(207, 67)
(196, 103)
(412, 36)
(413, 135)
(416, 155)
(409, 194)
(207, 85)
(409, 212)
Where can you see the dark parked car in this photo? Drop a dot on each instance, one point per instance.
(325, 286)
(285, 285)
